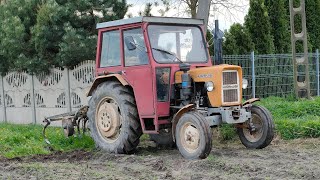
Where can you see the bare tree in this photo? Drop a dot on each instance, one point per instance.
(189, 7)
(203, 12)
(229, 9)
(147, 10)
(2, 2)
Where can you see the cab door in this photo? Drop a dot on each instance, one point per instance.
(138, 72)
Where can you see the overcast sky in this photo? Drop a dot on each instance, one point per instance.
(225, 16)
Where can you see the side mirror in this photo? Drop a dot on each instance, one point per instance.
(129, 41)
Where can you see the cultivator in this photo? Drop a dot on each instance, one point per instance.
(69, 122)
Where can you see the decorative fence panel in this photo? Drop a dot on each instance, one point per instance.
(2, 106)
(31, 98)
(17, 97)
(50, 93)
(81, 78)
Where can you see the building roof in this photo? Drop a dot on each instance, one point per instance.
(167, 20)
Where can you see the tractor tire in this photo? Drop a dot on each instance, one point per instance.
(113, 118)
(164, 139)
(264, 129)
(193, 136)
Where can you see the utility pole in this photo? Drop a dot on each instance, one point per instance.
(203, 12)
(300, 64)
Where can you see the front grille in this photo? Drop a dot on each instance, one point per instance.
(230, 77)
(230, 87)
(230, 95)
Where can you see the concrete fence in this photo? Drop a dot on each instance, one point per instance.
(27, 99)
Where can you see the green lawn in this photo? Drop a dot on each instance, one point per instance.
(26, 140)
(293, 119)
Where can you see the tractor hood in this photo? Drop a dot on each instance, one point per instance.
(227, 81)
(213, 73)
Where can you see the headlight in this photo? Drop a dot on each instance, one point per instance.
(209, 86)
(244, 83)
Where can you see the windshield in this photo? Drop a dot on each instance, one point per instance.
(173, 44)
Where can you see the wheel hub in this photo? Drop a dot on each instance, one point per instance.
(108, 120)
(190, 137)
(252, 128)
(254, 131)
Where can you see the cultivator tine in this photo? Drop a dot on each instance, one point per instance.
(48, 122)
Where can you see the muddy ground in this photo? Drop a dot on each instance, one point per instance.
(297, 159)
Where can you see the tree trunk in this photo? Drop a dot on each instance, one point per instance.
(203, 12)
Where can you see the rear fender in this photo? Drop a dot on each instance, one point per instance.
(177, 116)
(101, 79)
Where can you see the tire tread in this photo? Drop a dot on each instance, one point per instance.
(262, 143)
(131, 137)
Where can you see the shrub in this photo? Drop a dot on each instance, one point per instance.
(227, 132)
(292, 129)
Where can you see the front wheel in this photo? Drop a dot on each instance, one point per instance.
(193, 136)
(259, 132)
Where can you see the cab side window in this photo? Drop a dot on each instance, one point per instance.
(137, 56)
(110, 49)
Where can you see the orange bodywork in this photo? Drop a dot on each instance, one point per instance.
(215, 75)
(177, 77)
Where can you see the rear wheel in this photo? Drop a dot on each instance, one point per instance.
(113, 118)
(258, 133)
(193, 136)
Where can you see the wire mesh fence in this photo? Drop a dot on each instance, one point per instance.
(272, 74)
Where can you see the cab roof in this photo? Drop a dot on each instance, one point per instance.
(165, 20)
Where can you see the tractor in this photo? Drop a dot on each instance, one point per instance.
(154, 75)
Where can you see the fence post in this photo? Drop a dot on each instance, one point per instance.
(317, 71)
(3, 100)
(33, 101)
(68, 93)
(253, 75)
